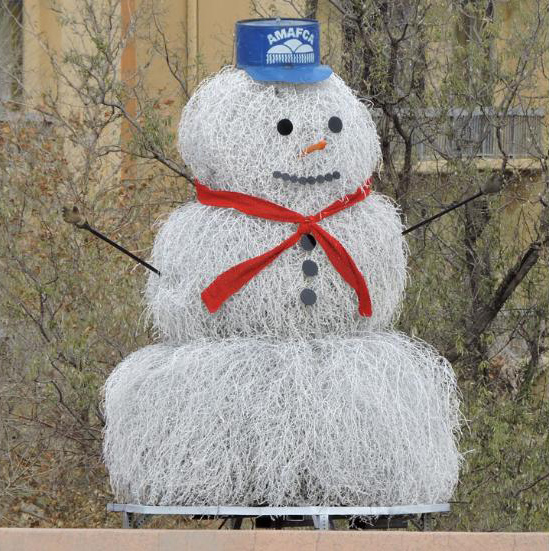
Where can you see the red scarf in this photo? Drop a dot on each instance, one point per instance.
(231, 281)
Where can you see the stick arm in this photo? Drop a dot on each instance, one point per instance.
(493, 185)
(74, 217)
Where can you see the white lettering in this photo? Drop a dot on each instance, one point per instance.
(281, 34)
(291, 32)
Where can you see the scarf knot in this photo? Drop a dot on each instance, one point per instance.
(306, 225)
(232, 280)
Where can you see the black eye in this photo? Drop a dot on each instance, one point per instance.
(285, 127)
(335, 124)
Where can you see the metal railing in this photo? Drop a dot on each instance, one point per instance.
(465, 133)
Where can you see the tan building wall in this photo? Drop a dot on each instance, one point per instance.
(201, 30)
(199, 34)
(43, 539)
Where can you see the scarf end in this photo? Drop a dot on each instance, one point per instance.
(211, 304)
(365, 308)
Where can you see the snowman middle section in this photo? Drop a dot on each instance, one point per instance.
(197, 243)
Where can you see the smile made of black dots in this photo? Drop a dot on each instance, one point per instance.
(321, 178)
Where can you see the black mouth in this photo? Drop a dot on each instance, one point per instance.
(321, 178)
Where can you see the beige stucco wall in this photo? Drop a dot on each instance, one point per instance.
(38, 539)
(203, 31)
(199, 35)
(200, 30)
(40, 26)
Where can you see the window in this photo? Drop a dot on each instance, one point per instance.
(11, 52)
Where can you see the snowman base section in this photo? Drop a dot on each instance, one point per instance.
(367, 421)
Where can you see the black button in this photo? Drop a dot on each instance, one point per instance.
(293, 179)
(336, 175)
(320, 179)
(309, 268)
(308, 242)
(311, 180)
(285, 176)
(277, 174)
(308, 297)
(302, 180)
(328, 177)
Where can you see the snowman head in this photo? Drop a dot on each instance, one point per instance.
(298, 145)
(282, 127)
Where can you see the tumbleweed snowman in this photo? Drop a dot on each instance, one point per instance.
(278, 378)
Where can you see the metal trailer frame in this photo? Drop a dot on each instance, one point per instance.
(134, 516)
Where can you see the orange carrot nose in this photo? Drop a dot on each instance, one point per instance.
(315, 147)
